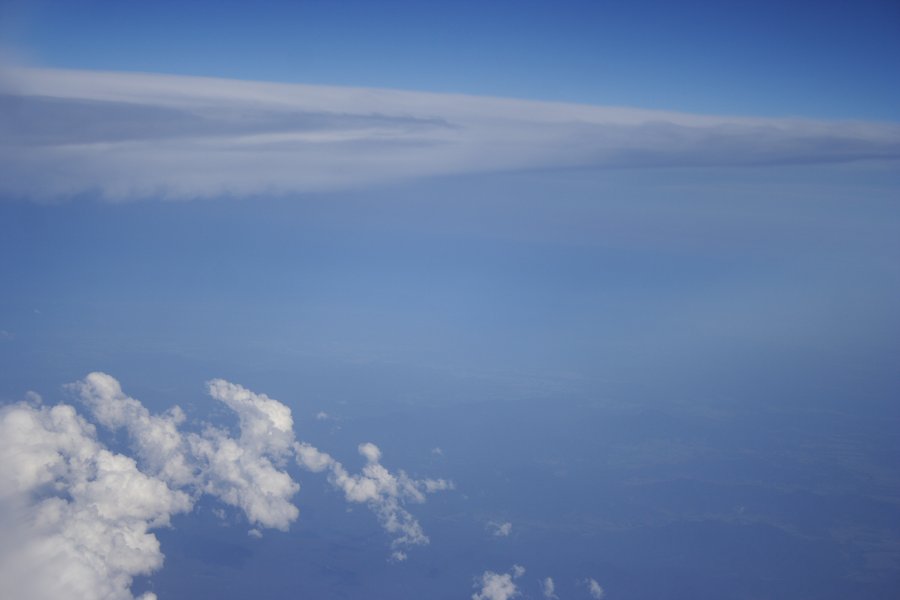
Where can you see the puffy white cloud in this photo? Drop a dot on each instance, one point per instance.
(129, 135)
(267, 426)
(549, 589)
(76, 517)
(311, 458)
(155, 438)
(498, 586)
(243, 478)
(248, 471)
(241, 472)
(500, 529)
(245, 472)
(594, 588)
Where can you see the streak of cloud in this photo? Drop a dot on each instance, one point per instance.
(128, 136)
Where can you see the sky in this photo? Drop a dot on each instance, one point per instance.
(405, 300)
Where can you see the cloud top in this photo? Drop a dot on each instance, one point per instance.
(128, 136)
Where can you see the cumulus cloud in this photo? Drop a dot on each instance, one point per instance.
(548, 588)
(498, 586)
(245, 472)
(499, 529)
(242, 472)
(594, 588)
(75, 516)
(248, 472)
(155, 438)
(126, 136)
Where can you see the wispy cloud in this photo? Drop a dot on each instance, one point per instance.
(126, 136)
(385, 493)
(594, 588)
(548, 588)
(498, 529)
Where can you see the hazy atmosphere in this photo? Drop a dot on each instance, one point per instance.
(405, 300)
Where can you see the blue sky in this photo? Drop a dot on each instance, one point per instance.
(418, 300)
(833, 59)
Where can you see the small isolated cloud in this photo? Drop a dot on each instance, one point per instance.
(437, 451)
(322, 416)
(594, 588)
(129, 136)
(499, 529)
(548, 588)
(7, 336)
(386, 494)
(255, 533)
(498, 586)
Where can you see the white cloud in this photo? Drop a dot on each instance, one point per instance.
(498, 586)
(311, 458)
(156, 439)
(241, 472)
(549, 589)
(500, 529)
(126, 136)
(385, 493)
(594, 588)
(245, 472)
(76, 517)
(322, 415)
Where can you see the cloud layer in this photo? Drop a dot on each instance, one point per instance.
(127, 136)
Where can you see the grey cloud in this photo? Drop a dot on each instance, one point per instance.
(126, 136)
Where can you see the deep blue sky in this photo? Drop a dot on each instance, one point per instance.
(836, 59)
